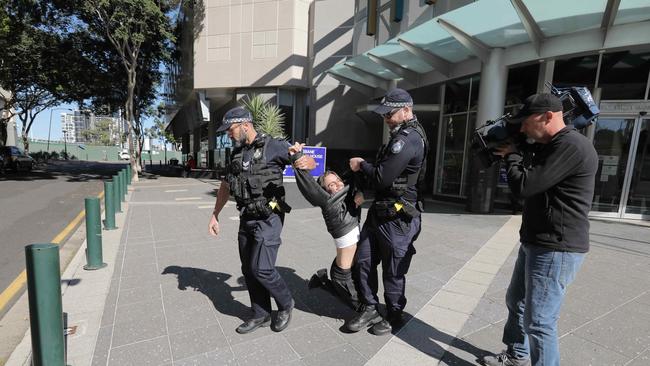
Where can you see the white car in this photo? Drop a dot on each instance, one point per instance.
(123, 155)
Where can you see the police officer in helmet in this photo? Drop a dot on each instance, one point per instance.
(393, 221)
(254, 178)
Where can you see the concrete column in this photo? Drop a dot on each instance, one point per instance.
(545, 74)
(212, 136)
(491, 99)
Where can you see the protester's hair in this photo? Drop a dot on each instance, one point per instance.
(321, 178)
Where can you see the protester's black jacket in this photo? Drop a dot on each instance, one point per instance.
(557, 188)
(339, 210)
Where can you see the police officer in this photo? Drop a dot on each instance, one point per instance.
(254, 178)
(393, 221)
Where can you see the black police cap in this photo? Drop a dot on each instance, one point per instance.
(235, 115)
(396, 98)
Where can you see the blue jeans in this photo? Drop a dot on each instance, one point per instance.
(535, 295)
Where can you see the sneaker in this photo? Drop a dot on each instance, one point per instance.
(504, 359)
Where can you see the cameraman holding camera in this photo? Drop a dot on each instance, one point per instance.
(557, 188)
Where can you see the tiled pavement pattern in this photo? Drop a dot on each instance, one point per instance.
(177, 294)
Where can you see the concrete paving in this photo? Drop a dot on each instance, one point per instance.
(173, 295)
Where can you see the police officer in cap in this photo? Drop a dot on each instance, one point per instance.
(254, 178)
(393, 221)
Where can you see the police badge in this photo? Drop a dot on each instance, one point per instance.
(257, 154)
(397, 147)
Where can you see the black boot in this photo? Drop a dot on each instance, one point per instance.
(394, 321)
(282, 318)
(369, 316)
(319, 279)
(252, 324)
(343, 286)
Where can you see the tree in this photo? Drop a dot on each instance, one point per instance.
(30, 62)
(101, 133)
(267, 117)
(139, 32)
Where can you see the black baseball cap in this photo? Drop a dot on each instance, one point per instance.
(396, 98)
(235, 115)
(537, 103)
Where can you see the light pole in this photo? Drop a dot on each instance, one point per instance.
(49, 130)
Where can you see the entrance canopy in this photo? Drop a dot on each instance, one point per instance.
(455, 43)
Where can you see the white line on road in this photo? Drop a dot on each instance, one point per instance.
(188, 198)
(175, 190)
(206, 206)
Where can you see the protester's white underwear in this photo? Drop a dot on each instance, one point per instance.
(348, 239)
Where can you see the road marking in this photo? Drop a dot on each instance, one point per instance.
(206, 206)
(175, 190)
(188, 198)
(18, 283)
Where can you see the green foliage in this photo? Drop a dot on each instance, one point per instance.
(267, 117)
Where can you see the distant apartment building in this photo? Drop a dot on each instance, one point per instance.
(327, 63)
(75, 127)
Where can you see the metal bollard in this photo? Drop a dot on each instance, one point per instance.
(93, 235)
(45, 308)
(125, 185)
(109, 206)
(116, 193)
(122, 184)
(129, 169)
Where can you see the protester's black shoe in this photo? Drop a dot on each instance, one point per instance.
(319, 279)
(282, 318)
(381, 328)
(369, 316)
(252, 324)
(504, 359)
(397, 319)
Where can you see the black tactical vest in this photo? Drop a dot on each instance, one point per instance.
(405, 180)
(255, 184)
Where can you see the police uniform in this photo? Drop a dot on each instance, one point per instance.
(254, 176)
(393, 220)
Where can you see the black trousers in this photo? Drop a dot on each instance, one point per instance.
(259, 242)
(391, 244)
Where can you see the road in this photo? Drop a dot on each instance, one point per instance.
(36, 206)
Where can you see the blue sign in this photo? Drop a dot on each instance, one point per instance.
(318, 153)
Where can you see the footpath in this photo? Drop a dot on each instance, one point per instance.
(173, 295)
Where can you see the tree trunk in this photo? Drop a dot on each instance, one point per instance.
(129, 120)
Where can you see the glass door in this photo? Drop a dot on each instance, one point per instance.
(637, 196)
(612, 140)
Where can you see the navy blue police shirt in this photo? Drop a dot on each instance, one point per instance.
(404, 153)
(277, 153)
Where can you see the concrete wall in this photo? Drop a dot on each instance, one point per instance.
(251, 43)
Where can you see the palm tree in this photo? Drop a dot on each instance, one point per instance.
(267, 117)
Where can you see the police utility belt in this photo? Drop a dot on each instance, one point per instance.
(263, 208)
(394, 209)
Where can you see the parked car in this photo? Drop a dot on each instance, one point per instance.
(123, 155)
(14, 158)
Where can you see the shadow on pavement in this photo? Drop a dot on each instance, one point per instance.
(71, 171)
(214, 286)
(423, 337)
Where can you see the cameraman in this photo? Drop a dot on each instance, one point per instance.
(557, 188)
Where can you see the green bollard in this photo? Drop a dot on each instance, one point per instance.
(45, 308)
(116, 193)
(126, 181)
(93, 235)
(109, 206)
(129, 174)
(122, 184)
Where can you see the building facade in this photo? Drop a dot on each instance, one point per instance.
(464, 62)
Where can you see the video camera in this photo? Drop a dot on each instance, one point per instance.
(578, 109)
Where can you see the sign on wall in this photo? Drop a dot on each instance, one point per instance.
(318, 153)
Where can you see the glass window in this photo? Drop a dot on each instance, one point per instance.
(453, 156)
(522, 82)
(624, 75)
(457, 95)
(576, 71)
(638, 201)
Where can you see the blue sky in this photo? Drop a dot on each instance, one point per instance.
(42, 121)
